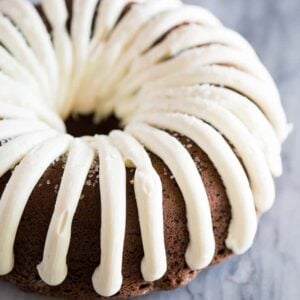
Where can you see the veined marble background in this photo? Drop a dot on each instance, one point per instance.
(271, 269)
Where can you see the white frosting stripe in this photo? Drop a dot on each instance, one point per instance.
(265, 98)
(243, 223)
(203, 56)
(202, 245)
(107, 278)
(187, 37)
(108, 14)
(139, 15)
(148, 193)
(11, 111)
(197, 14)
(15, 43)
(37, 35)
(118, 42)
(53, 268)
(240, 106)
(10, 66)
(81, 28)
(47, 117)
(18, 190)
(16, 93)
(156, 28)
(13, 152)
(244, 143)
(155, 64)
(13, 128)
(83, 12)
(57, 15)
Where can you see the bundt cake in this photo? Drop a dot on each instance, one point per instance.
(138, 143)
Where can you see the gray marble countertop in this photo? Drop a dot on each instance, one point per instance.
(271, 269)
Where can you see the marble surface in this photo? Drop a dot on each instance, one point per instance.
(271, 269)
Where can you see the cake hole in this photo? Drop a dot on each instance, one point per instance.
(80, 125)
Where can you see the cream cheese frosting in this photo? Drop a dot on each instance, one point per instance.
(148, 193)
(159, 66)
(53, 269)
(107, 278)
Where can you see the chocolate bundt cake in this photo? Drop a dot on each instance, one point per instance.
(138, 140)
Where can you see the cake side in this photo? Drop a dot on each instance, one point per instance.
(84, 249)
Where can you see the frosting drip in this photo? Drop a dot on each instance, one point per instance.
(148, 192)
(165, 66)
(107, 278)
(53, 269)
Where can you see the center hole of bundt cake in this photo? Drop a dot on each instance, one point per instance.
(84, 125)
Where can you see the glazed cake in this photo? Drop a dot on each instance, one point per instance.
(138, 144)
